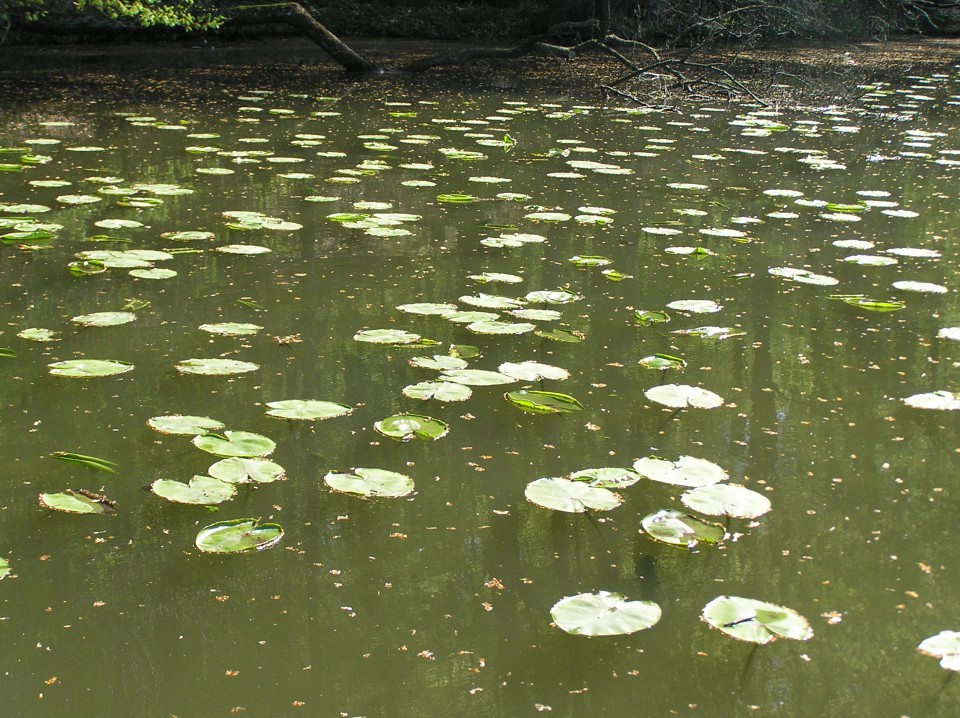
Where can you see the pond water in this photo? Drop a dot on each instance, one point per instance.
(439, 602)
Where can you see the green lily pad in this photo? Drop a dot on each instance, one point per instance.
(231, 329)
(235, 443)
(185, 425)
(873, 305)
(439, 362)
(710, 332)
(38, 334)
(803, 276)
(747, 619)
(543, 402)
(386, 336)
(603, 614)
(570, 496)
(243, 249)
(567, 336)
(645, 317)
(88, 368)
(590, 260)
(662, 362)
(188, 235)
(215, 367)
(686, 471)
(496, 327)
(4, 568)
(238, 535)
(439, 390)
(945, 646)
(492, 301)
(154, 273)
(371, 482)
(476, 377)
(555, 296)
(679, 529)
(683, 395)
(695, 306)
(487, 277)
(427, 308)
(406, 427)
(536, 315)
(307, 409)
(104, 319)
(726, 500)
(533, 371)
(239, 470)
(202, 490)
(920, 287)
(78, 501)
(607, 477)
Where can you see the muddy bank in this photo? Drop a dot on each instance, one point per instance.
(190, 71)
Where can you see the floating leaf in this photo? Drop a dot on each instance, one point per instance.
(91, 462)
(662, 362)
(476, 377)
(603, 614)
(747, 619)
(607, 478)
(645, 317)
(570, 496)
(945, 646)
(386, 336)
(238, 535)
(215, 367)
(558, 296)
(543, 402)
(940, 400)
(38, 334)
(185, 425)
(238, 470)
(683, 395)
(104, 319)
(921, 287)
(873, 305)
(533, 371)
(492, 301)
(247, 249)
(4, 568)
(235, 443)
(440, 362)
(561, 335)
(202, 490)
(427, 308)
(589, 261)
(439, 390)
(695, 306)
(803, 276)
(495, 327)
(371, 482)
(78, 501)
(679, 529)
(307, 409)
(726, 500)
(231, 329)
(155, 273)
(685, 471)
(88, 368)
(710, 332)
(406, 427)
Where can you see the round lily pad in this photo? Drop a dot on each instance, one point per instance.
(215, 367)
(235, 443)
(940, 400)
(427, 308)
(439, 362)
(682, 395)
(307, 409)
(747, 619)
(685, 471)
(406, 427)
(439, 390)
(78, 501)
(570, 496)
(246, 249)
(695, 306)
(186, 425)
(920, 287)
(386, 336)
(238, 535)
(239, 470)
(680, 529)
(726, 500)
(603, 614)
(104, 319)
(88, 368)
(533, 371)
(38, 334)
(231, 329)
(476, 377)
(495, 327)
(153, 273)
(607, 477)
(202, 490)
(371, 482)
(543, 402)
(552, 296)
(945, 646)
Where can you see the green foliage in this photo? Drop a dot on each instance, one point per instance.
(20, 11)
(185, 14)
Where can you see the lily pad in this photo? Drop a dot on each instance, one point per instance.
(662, 362)
(940, 400)
(427, 308)
(695, 306)
(104, 319)
(231, 329)
(497, 327)
(543, 402)
(440, 362)
(238, 536)
(555, 296)
(920, 287)
(682, 395)
(533, 371)
(215, 367)
(645, 317)
(185, 425)
(680, 529)
(406, 427)
(803, 276)
(747, 619)
(38, 334)
(439, 390)
(603, 614)
(239, 470)
(88, 368)
(685, 471)
(78, 501)
(726, 500)
(235, 443)
(945, 646)
(477, 377)
(307, 409)
(386, 336)
(371, 482)
(570, 496)
(607, 477)
(202, 490)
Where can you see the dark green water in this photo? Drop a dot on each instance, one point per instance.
(439, 604)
